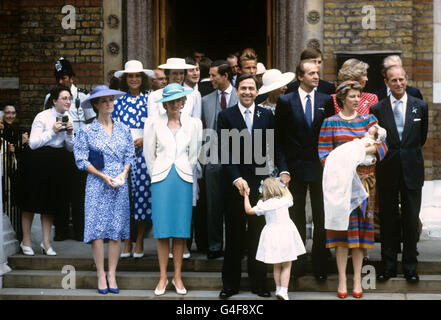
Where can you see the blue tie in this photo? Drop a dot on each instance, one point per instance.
(248, 120)
(399, 120)
(308, 111)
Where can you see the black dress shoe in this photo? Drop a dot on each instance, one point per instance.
(386, 275)
(226, 293)
(412, 277)
(215, 254)
(321, 277)
(262, 293)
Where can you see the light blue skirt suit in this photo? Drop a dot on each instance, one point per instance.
(171, 159)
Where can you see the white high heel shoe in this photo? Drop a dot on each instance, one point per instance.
(138, 255)
(48, 252)
(27, 251)
(161, 292)
(125, 255)
(179, 291)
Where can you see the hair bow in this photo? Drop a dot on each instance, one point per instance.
(261, 184)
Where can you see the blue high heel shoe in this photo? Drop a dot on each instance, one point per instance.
(103, 291)
(112, 290)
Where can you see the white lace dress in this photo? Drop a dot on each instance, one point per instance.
(279, 241)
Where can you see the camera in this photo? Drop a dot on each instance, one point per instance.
(64, 120)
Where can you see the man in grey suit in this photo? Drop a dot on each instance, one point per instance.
(223, 97)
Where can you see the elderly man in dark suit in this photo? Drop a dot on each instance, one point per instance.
(223, 97)
(400, 176)
(385, 91)
(248, 120)
(299, 116)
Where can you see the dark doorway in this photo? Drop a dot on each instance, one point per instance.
(233, 26)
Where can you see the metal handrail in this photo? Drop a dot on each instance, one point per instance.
(11, 174)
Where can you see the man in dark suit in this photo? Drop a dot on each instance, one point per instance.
(400, 176)
(234, 64)
(299, 116)
(385, 91)
(205, 86)
(314, 55)
(213, 103)
(244, 176)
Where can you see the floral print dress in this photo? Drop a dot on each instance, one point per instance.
(132, 111)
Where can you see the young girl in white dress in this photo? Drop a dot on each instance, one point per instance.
(280, 242)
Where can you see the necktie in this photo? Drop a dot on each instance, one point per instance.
(399, 119)
(223, 100)
(308, 111)
(248, 120)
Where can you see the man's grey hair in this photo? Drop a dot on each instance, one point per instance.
(395, 58)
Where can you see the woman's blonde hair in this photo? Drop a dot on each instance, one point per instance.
(272, 188)
(352, 69)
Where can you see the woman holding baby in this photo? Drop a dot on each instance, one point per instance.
(346, 126)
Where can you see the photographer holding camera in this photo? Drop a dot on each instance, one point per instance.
(46, 168)
(65, 76)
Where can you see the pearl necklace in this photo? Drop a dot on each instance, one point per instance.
(348, 117)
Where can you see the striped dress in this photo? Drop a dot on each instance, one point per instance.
(334, 132)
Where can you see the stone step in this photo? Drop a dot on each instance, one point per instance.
(198, 263)
(11, 247)
(91, 294)
(205, 281)
(9, 235)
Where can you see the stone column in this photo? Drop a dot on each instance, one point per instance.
(113, 38)
(313, 25)
(437, 51)
(140, 32)
(289, 34)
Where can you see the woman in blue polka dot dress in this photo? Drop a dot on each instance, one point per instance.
(131, 109)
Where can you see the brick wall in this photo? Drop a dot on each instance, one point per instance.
(9, 46)
(406, 26)
(43, 40)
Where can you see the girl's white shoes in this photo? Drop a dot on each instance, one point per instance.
(282, 294)
(48, 252)
(27, 251)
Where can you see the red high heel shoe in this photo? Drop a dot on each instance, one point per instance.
(357, 295)
(342, 295)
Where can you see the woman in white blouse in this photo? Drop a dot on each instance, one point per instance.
(171, 147)
(45, 184)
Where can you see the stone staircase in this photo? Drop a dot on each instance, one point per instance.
(41, 277)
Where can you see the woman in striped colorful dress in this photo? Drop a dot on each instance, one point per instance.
(343, 127)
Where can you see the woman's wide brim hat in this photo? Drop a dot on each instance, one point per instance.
(134, 66)
(172, 92)
(260, 69)
(273, 79)
(176, 64)
(101, 91)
